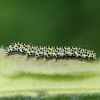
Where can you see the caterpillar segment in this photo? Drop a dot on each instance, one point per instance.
(57, 51)
(61, 52)
(83, 53)
(40, 51)
(48, 53)
(20, 47)
(32, 50)
(24, 49)
(51, 51)
(27, 50)
(45, 52)
(36, 50)
(70, 53)
(75, 53)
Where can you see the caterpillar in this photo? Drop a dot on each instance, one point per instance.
(50, 51)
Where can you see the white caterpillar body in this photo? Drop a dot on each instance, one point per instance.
(51, 51)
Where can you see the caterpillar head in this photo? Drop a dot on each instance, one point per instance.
(9, 49)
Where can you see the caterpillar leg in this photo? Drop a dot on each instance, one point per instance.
(37, 57)
(27, 56)
(45, 56)
(7, 54)
(55, 57)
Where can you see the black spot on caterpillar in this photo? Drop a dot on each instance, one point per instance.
(51, 51)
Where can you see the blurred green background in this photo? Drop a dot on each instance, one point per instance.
(51, 22)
